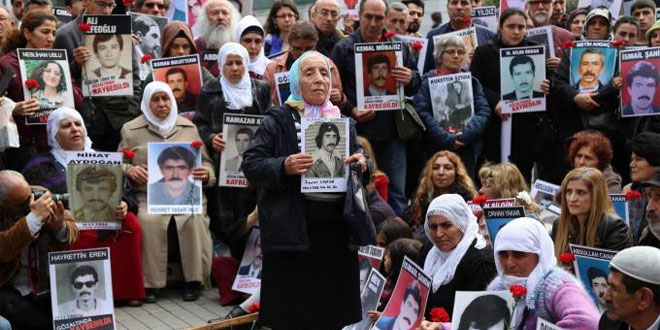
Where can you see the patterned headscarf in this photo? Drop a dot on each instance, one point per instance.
(327, 109)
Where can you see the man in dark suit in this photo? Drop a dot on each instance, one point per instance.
(590, 67)
(523, 71)
(378, 71)
(642, 81)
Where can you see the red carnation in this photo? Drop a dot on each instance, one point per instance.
(566, 257)
(253, 308)
(479, 200)
(618, 43)
(439, 314)
(128, 3)
(146, 58)
(417, 45)
(196, 144)
(467, 20)
(128, 153)
(568, 44)
(633, 194)
(84, 27)
(31, 83)
(518, 291)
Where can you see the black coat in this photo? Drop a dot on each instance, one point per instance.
(475, 271)
(612, 234)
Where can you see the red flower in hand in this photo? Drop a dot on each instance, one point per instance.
(389, 35)
(566, 257)
(467, 20)
(253, 308)
(128, 3)
(633, 194)
(146, 58)
(196, 144)
(31, 83)
(128, 153)
(439, 314)
(84, 27)
(618, 43)
(518, 291)
(568, 44)
(479, 200)
(417, 45)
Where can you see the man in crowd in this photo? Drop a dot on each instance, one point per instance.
(43, 5)
(176, 165)
(598, 282)
(540, 14)
(633, 295)
(523, 71)
(460, 13)
(178, 81)
(152, 7)
(147, 32)
(6, 21)
(95, 185)
(17, 9)
(626, 29)
(84, 285)
(215, 25)
(642, 82)
(325, 16)
(415, 17)
(378, 71)
(327, 163)
(27, 227)
(74, 7)
(408, 312)
(243, 139)
(651, 235)
(559, 16)
(644, 12)
(379, 128)
(397, 18)
(591, 65)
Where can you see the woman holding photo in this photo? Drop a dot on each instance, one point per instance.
(51, 92)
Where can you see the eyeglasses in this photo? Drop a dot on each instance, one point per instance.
(88, 284)
(151, 5)
(109, 5)
(328, 13)
(454, 52)
(289, 16)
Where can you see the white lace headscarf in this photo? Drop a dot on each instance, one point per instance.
(238, 96)
(166, 125)
(53, 127)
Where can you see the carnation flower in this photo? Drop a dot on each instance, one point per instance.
(568, 44)
(196, 144)
(518, 291)
(566, 257)
(84, 27)
(146, 58)
(479, 200)
(633, 194)
(31, 83)
(439, 314)
(128, 153)
(253, 308)
(417, 45)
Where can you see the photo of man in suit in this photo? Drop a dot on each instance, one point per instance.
(408, 311)
(95, 185)
(523, 71)
(243, 138)
(253, 269)
(590, 67)
(175, 188)
(378, 71)
(641, 83)
(327, 162)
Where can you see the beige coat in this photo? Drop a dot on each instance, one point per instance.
(194, 235)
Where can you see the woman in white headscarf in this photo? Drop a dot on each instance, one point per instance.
(458, 258)
(67, 134)
(250, 34)
(159, 122)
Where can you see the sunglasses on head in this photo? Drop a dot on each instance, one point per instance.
(79, 285)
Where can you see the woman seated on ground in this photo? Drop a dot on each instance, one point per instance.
(587, 216)
(390, 230)
(66, 133)
(443, 173)
(593, 149)
(392, 261)
(458, 258)
(504, 180)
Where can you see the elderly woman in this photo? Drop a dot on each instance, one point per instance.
(446, 131)
(190, 233)
(250, 34)
(458, 258)
(593, 149)
(304, 239)
(644, 164)
(67, 133)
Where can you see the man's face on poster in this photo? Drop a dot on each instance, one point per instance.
(457, 86)
(84, 287)
(591, 67)
(407, 314)
(178, 84)
(175, 173)
(364, 273)
(151, 41)
(256, 261)
(642, 92)
(242, 142)
(523, 77)
(599, 285)
(329, 141)
(108, 53)
(378, 74)
(95, 195)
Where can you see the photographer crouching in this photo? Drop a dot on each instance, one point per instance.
(29, 229)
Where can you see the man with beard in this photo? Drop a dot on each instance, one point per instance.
(558, 17)
(327, 164)
(590, 67)
(540, 14)
(522, 70)
(176, 164)
(415, 16)
(642, 81)
(651, 235)
(378, 71)
(147, 32)
(178, 81)
(215, 26)
(243, 139)
(95, 185)
(325, 16)
(408, 311)
(598, 282)
(84, 284)
(253, 269)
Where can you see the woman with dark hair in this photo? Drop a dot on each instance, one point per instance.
(486, 312)
(52, 86)
(644, 164)
(593, 149)
(393, 260)
(283, 14)
(576, 20)
(391, 230)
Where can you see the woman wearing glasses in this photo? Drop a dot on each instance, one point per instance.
(283, 14)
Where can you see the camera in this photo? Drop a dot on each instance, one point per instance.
(39, 191)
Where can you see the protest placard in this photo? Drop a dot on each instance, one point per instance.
(620, 205)
(544, 192)
(592, 267)
(522, 70)
(469, 308)
(506, 4)
(543, 36)
(408, 301)
(542, 324)
(418, 46)
(171, 188)
(592, 65)
(48, 72)
(452, 100)
(184, 75)
(469, 37)
(496, 218)
(641, 80)
(94, 181)
(349, 8)
(282, 85)
(376, 87)
(248, 278)
(370, 297)
(326, 139)
(487, 15)
(500, 203)
(109, 72)
(62, 14)
(238, 130)
(81, 289)
(612, 5)
(148, 29)
(209, 58)
(369, 257)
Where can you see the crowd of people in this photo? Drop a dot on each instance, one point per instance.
(420, 191)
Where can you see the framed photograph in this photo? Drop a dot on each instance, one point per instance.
(492, 309)
(592, 267)
(452, 100)
(592, 65)
(544, 192)
(370, 297)
(282, 85)
(369, 257)
(487, 15)
(184, 75)
(376, 87)
(496, 218)
(238, 130)
(149, 30)
(326, 139)
(639, 71)
(522, 70)
(543, 36)
(248, 278)
(171, 188)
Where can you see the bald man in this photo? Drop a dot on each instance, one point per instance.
(325, 16)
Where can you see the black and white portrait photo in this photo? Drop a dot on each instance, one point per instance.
(482, 310)
(238, 132)
(522, 70)
(327, 162)
(326, 140)
(148, 30)
(452, 101)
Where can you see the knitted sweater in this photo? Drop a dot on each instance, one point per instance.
(560, 299)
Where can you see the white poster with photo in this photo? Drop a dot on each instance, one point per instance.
(184, 76)
(543, 36)
(47, 79)
(487, 15)
(171, 188)
(497, 218)
(326, 139)
(148, 30)
(612, 5)
(377, 89)
(592, 267)
(238, 130)
(469, 37)
(544, 192)
(522, 70)
(248, 278)
(369, 297)
(94, 181)
(369, 257)
(282, 85)
(81, 289)
(452, 100)
(417, 45)
(109, 72)
(542, 324)
(470, 306)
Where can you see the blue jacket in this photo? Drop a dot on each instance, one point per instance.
(437, 136)
(484, 35)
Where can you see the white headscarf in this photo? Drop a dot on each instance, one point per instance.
(257, 64)
(53, 127)
(238, 96)
(525, 235)
(441, 266)
(164, 125)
